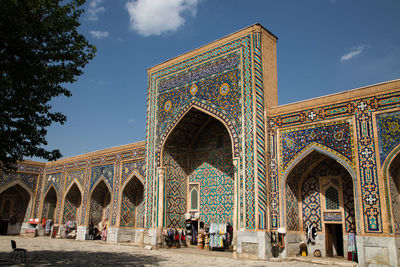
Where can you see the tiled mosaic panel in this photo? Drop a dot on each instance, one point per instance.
(132, 196)
(292, 184)
(19, 203)
(127, 212)
(72, 203)
(115, 200)
(312, 206)
(85, 198)
(209, 90)
(360, 108)
(27, 179)
(243, 45)
(212, 167)
(175, 189)
(104, 171)
(54, 179)
(38, 196)
(260, 129)
(100, 203)
(311, 202)
(368, 172)
(336, 137)
(348, 201)
(388, 133)
(78, 176)
(128, 167)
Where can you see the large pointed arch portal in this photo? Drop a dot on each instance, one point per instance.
(197, 157)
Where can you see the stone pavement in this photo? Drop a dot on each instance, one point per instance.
(43, 251)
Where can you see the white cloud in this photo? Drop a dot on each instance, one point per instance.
(154, 17)
(95, 10)
(99, 34)
(354, 52)
(131, 121)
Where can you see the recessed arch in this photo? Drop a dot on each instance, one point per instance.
(16, 203)
(391, 177)
(312, 148)
(11, 184)
(101, 179)
(198, 150)
(72, 203)
(131, 197)
(100, 200)
(207, 110)
(50, 203)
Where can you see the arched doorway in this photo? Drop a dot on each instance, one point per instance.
(319, 193)
(14, 203)
(100, 200)
(199, 173)
(72, 204)
(394, 191)
(132, 196)
(50, 204)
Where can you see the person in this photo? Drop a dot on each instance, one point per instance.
(91, 230)
(103, 228)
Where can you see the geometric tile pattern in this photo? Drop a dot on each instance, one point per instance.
(388, 125)
(260, 130)
(310, 193)
(72, 203)
(311, 203)
(175, 190)
(132, 196)
(212, 167)
(291, 189)
(348, 202)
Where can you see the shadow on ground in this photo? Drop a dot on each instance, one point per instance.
(80, 258)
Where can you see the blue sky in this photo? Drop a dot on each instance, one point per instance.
(324, 47)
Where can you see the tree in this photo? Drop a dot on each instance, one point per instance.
(41, 52)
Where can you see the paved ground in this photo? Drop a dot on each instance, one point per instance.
(53, 252)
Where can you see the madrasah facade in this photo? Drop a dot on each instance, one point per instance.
(218, 144)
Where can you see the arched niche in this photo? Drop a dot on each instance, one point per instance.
(305, 188)
(132, 197)
(100, 199)
(319, 192)
(393, 179)
(198, 150)
(50, 204)
(72, 204)
(14, 208)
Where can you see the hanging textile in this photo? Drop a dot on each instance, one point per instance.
(218, 235)
(352, 243)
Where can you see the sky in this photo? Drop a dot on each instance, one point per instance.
(324, 47)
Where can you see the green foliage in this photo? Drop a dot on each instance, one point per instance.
(40, 52)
